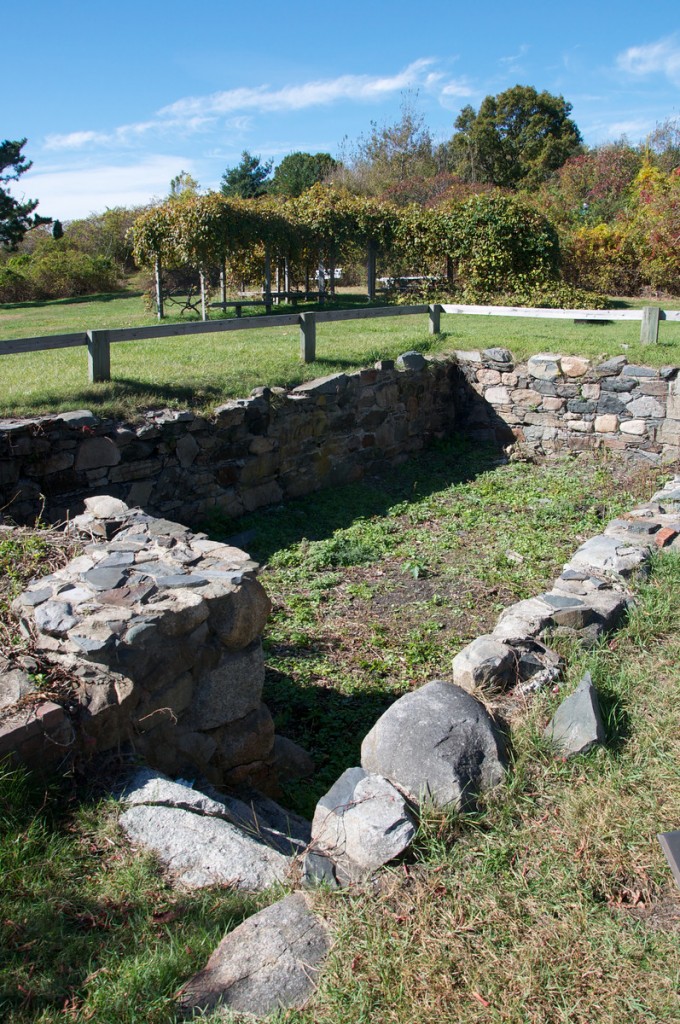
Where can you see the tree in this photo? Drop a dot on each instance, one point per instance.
(16, 218)
(391, 153)
(664, 143)
(183, 186)
(593, 187)
(299, 171)
(516, 139)
(57, 230)
(248, 179)
(498, 243)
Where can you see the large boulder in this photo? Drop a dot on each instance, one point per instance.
(437, 743)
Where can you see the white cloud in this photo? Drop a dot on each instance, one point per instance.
(634, 129)
(457, 88)
(233, 110)
(513, 63)
(128, 134)
(68, 193)
(74, 140)
(662, 57)
(298, 97)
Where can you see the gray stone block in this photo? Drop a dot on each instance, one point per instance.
(201, 850)
(411, 361)
(576, 727)
(437, 743)
(361, 823)
(485, 664)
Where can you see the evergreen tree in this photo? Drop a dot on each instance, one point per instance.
(248, 179)
(16, 217)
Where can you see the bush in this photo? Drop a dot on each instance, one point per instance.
(499, 241)
(56, 272)
(553, 295)
(14, 285)
(604, 258)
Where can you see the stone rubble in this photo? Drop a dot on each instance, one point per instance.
(576, 727)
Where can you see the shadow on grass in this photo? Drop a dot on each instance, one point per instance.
(329, 724)
(615, 718)
(317, 516)
(124, 293)
(56, 933)
(137, 395)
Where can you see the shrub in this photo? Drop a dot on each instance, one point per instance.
(499, 241)
(56, 272)
(604, 258)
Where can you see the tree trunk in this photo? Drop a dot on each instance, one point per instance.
(159, 288)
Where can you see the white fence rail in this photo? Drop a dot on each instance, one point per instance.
(99, 342)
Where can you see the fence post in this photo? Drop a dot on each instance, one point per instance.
(267, 279)
(370, 271)
(223, 286)
(307, 337)
(649, 328)
(98, 356)
(435, 317)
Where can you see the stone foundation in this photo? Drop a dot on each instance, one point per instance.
(254, 451)
(553, 404)
(160, 630)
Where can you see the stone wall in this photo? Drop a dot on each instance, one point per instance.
(280, 444)
(556, 403)
(274, 445)
(157, 631)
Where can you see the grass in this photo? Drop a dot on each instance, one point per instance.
(551, 905)
(205, 370)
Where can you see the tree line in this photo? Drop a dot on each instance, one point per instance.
(513, 207)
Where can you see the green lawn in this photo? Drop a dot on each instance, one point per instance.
(552, 904)
(204, 370)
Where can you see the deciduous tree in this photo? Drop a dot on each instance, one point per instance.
(299, 171)
(517, 138)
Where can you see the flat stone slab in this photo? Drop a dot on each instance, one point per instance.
(609, 553)
(576, 727)
(437, 743)
(361, 823)
(195, 838)
(269, 962)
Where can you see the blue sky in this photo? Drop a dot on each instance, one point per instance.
(115, 99)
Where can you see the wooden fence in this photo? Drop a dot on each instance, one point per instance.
(99, 342)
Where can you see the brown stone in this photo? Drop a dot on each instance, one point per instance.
(574, 366)
(606, 424)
